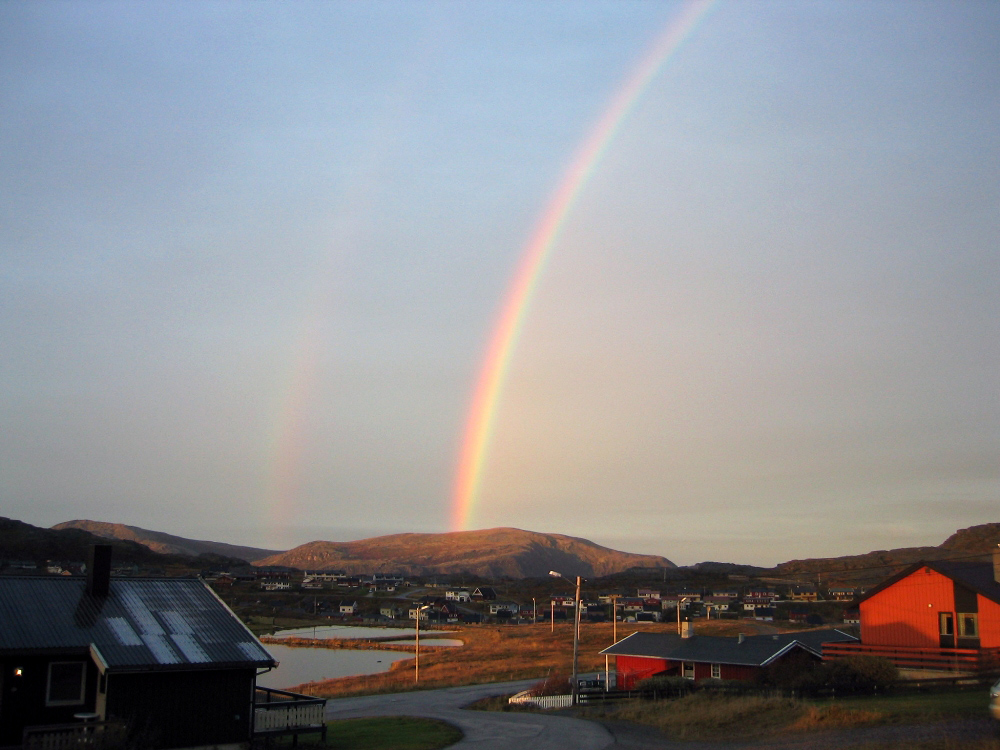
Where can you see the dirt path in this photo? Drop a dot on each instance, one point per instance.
(630, 736)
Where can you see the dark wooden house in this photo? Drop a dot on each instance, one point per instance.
(164, 657)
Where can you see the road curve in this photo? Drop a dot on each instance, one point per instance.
(484, 730)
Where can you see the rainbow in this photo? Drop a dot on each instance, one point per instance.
(514, 307)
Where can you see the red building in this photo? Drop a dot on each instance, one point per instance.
(695, 657)
(933, 615)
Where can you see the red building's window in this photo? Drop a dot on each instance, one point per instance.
(968, 625)
(947, 623)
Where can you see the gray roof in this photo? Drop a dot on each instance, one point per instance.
(754, 650)
(143, 624)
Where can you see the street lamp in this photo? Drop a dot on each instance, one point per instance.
(416, 673)
(679, 602)
(576, 627)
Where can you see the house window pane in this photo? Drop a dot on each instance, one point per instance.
(717, 671)
(947, 623)
(65, 683)
(967, 625)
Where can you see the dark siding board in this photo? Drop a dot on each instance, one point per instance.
(966, 599)
(22, 700)
(183, 709)
(739, 672)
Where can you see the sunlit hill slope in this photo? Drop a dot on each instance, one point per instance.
(489, 553)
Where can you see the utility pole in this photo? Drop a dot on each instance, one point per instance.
(576, 631)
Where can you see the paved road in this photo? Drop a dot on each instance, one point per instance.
(484, 730)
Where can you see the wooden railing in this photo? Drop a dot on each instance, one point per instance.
(940, 659)
(282, 712)
(66, 736)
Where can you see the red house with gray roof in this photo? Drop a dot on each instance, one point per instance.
(939, 615)
(696, 657)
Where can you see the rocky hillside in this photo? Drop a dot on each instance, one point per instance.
(488, 553)
(976, 541)
(22, 541)
(166, 544)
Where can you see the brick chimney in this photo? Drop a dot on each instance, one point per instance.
(996, 564)
(99, 570)
(686, 630)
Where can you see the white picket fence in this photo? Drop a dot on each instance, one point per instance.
(541, 701)
(291, 716)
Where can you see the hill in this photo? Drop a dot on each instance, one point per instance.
(167, 544)
(491, 553)
(22, 541)
(976, 542)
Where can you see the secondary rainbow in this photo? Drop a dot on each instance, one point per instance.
(514, 307)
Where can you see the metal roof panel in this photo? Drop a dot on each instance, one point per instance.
(174, 623)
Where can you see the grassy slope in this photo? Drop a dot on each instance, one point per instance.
(495, 654)
(705, 717)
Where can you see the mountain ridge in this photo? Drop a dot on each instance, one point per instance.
(163, 543)
(517, 553)
(496, 553)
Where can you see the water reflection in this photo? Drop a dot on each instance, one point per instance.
(298, 665)
(325, 632)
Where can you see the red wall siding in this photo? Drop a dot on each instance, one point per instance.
(989, 623)
(631, 669)
(906, 613)
(736, 672)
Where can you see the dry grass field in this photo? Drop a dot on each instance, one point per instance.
(495, 654)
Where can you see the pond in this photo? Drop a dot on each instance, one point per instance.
(298, 665)
(324, 632)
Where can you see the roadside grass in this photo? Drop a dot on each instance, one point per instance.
(984, 743)
(502, 703)
(926, 707)
(703, 716)
(384, 733)
(706, 717)
(497, 654)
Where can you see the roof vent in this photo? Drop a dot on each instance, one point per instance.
(686, 629)
(99, 570)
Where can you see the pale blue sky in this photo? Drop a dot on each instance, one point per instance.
(250, 256)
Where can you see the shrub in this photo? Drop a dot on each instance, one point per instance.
(860, 673)
(554, 684)
(671, 683)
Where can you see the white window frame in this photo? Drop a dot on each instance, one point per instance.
(965, 618)
(717, 671)
(685, 667)
(83, 685)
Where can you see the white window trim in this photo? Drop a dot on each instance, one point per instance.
(717, 671)
(962, 622)
(83, 685)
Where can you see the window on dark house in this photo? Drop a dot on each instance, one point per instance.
(66, 683)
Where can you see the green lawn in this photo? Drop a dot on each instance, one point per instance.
(384, 733)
